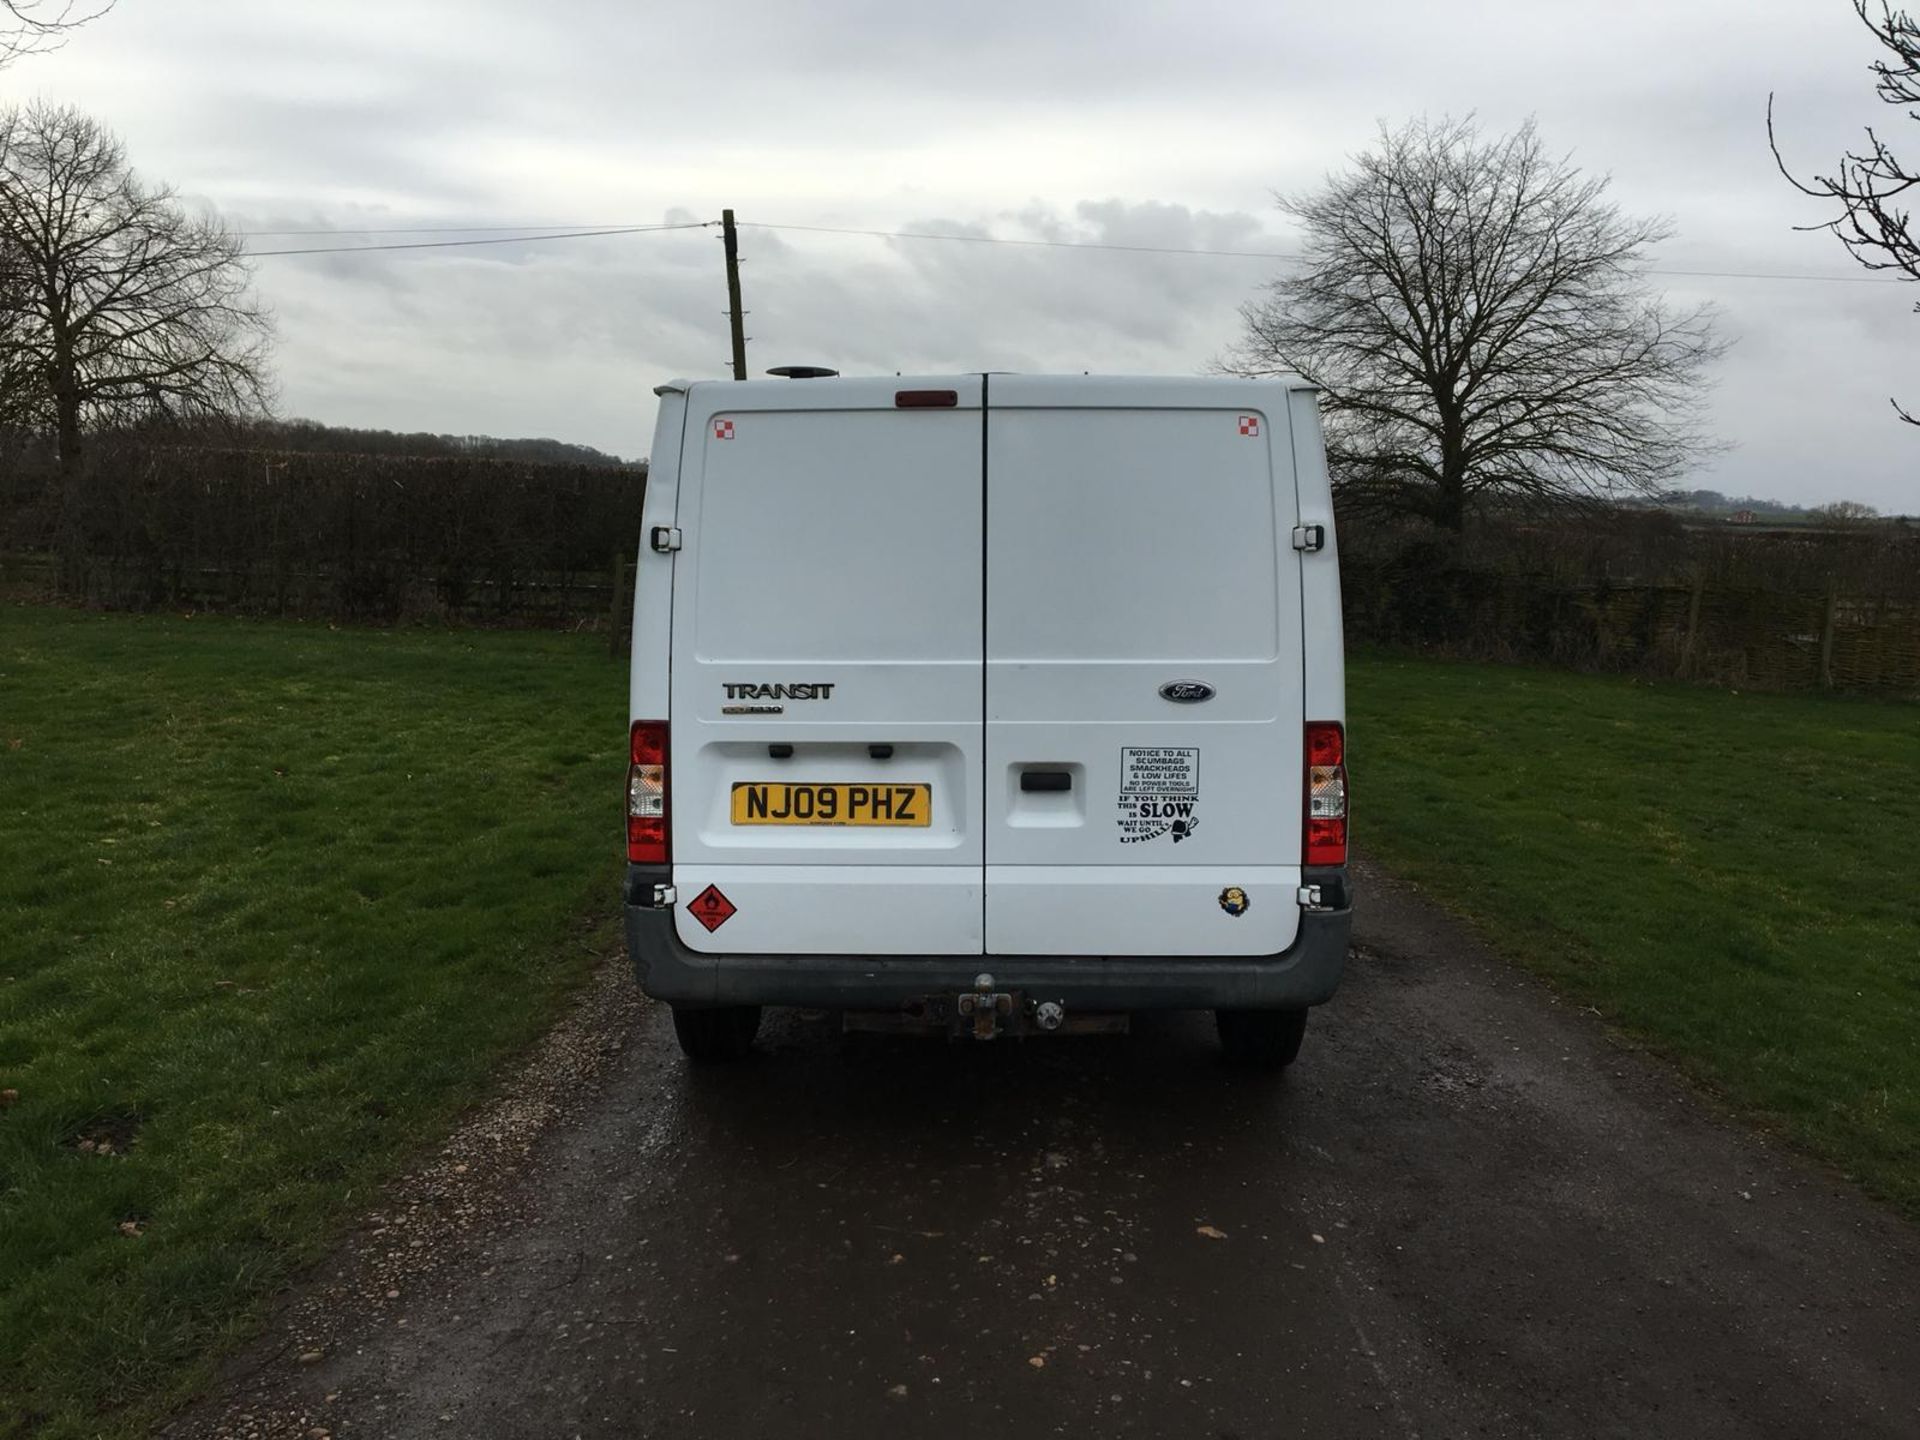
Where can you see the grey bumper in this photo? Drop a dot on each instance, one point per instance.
(1305, 973)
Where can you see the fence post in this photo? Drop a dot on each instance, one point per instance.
(1693, 624)
(616, 612)
(1826, 635)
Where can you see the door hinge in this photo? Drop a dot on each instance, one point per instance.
(664, 896)
(666, 538)
(1309, 537)
(1309, 896)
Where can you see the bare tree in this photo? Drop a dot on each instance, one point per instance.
(1871, 184)
(1845, 512)
(29, 26)
(1475, 313)
(128, 305)
(16, 384)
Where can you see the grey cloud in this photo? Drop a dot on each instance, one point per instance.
(1121, 122)
(918, 303)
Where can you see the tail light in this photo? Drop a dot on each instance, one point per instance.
(1326, 837)
(647, 794)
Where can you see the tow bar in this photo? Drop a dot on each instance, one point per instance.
(984, 1013)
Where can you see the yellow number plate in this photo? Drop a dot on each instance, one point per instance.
(758, 802)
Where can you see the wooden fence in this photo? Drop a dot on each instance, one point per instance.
(500, 542)
(1739, 636)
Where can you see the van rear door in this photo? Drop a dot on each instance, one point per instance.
(826, 679)
(1144, 714)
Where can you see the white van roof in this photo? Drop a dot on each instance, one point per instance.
(1085, 389)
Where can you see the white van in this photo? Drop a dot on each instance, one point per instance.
(988, 704)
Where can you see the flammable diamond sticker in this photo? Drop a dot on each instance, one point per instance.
(712, 909)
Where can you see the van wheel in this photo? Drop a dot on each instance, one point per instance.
(714, 1035)
(1261, 1039)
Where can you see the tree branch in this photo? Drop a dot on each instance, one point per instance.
(1474, 313)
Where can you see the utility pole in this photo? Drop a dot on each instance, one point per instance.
(731, 239)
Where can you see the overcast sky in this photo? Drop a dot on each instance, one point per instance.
(1117, 122)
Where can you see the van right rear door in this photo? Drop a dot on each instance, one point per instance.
(1144, 670)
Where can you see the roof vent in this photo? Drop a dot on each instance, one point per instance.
(802, 372)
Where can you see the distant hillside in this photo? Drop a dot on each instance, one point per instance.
(311, 435)
(1712, 502)
(35, 451)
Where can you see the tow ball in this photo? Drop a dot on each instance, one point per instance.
(985, 1006)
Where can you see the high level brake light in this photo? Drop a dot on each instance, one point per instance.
(1326, 828)
(647, 794)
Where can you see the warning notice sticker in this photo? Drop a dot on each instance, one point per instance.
(1159, 793)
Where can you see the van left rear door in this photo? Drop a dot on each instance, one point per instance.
(827, 739)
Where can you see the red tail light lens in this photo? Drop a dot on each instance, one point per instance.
(1326, 827)
(647, 794)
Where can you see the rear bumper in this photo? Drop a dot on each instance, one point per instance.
(1306, 973)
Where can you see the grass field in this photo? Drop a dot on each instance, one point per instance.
(1729, 877)
(274, 900)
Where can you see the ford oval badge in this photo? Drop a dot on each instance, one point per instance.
(1186, 692)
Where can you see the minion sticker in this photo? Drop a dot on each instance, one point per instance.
(1234, 900)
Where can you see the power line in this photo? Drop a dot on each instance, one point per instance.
(1776, 275)
(520, 235)
(455, 229)
(613, 227)
(1267, 254)
(1051, 244)
(519, 239)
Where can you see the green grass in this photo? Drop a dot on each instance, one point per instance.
(1729, 877)
(275, 901)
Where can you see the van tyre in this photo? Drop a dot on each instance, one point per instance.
(1261, 1039)
(717, 1034)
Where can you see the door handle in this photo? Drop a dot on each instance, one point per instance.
(1046, 780)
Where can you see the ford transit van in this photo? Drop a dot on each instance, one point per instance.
(987, 705)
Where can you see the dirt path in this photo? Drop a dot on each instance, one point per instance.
(1465, 1213)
